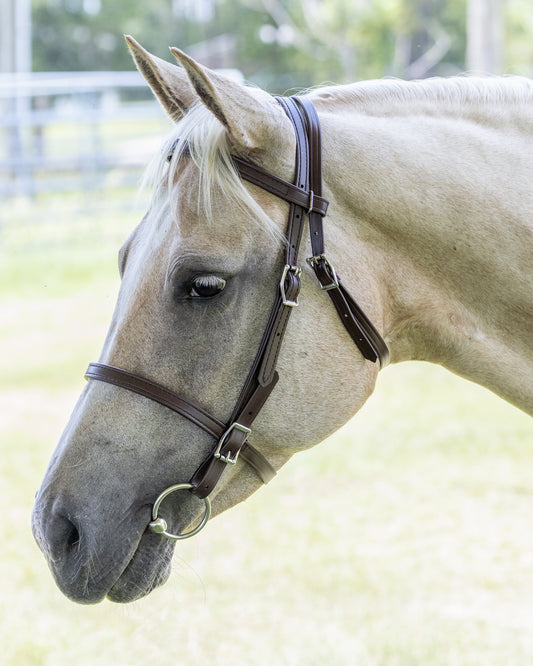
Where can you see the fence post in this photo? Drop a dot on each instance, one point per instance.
(15, 58)
(484, 37)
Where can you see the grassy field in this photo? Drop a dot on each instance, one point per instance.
(405, 540)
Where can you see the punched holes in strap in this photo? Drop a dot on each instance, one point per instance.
(289, 290)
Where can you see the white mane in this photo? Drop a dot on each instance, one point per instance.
(462, 93)
(201, 137)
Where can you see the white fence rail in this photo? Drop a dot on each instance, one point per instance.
(75, 131)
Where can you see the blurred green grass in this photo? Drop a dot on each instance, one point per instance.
(404, 540)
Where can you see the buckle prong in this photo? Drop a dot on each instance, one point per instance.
(229, 459)
(313, 262)
(297, 272)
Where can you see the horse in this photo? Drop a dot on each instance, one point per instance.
(418, 199)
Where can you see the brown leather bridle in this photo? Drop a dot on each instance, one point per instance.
(305, 199)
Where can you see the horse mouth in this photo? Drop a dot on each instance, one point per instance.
(115, 556)
(127, 570)
(149, 568)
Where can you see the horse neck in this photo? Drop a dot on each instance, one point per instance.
(439, 209)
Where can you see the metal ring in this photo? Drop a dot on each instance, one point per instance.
(159, 525)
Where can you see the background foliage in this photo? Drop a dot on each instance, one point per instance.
(277, 44)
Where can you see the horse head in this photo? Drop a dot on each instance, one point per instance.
(199, 274)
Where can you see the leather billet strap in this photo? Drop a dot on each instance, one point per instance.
(306, 201)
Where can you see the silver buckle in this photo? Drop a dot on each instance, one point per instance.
(297, 271)
(313, 261)
(229, 459)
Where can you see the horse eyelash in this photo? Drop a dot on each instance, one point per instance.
(208, 282)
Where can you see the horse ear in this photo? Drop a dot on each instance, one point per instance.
(250, 115)
(170, 84)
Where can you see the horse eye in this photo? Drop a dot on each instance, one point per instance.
(206, 286)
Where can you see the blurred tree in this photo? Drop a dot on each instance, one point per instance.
(431, 39)
(278, 44)
(72, 35)
(518, 37)
(343, 40)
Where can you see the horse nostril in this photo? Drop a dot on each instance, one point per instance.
(73, 538)
(62, 536)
